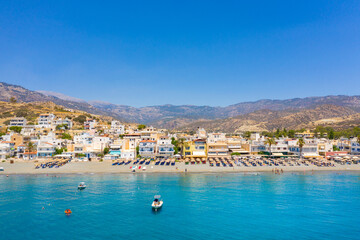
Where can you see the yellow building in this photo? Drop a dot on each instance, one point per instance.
(195, 149)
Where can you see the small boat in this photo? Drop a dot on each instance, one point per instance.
(68, 212)
(157, 203)
(1, 169)
(81, 186)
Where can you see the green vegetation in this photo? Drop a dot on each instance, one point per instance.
(301, 144)
(6, 115)
(60, 126)
(60, 109)
(59, 151)
(80, 119)
(141, 127)
(270, 142)
(15, 129)
(176, 145)
(106, 150)
(335, 148)
(66, 136)
(137, 151)
(235, 154)
(80, 155)
(247, 135)
(13, 100)
(280, 133)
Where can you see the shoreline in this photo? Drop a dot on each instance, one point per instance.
(28, 168)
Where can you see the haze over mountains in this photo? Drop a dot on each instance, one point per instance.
(254, 116)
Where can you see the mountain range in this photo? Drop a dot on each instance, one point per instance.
(264, 114)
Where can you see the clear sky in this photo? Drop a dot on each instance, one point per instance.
(216, 53)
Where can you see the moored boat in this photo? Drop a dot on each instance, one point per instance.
(157, 203)
(81, 186)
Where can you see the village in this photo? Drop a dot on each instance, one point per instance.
(53, 137)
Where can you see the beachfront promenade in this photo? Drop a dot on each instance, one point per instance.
(73, 167)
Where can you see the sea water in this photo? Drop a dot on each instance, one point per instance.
(196, 206)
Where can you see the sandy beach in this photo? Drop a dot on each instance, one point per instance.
(180, 167)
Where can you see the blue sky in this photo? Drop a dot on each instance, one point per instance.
(216, 53)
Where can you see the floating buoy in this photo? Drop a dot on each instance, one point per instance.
(68, 212)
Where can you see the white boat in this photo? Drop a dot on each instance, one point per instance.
(157, 203)
(81, 186)
(1, 169)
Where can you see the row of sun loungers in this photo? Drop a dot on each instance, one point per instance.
(167, 162)
(51, 164)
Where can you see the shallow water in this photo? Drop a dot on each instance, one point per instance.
(196, 206)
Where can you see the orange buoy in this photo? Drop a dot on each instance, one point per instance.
(68, 212)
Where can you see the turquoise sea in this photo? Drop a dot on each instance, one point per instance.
(196, 206)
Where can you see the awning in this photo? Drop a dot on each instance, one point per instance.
(278, 154)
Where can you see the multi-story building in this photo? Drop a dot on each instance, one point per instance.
(355, 146)
(164, 147)
(45, 149)
(90, 124)
(195, 149)
(147, 148)
(117, 127)
(46, 120)
(216, 137)
(65, 121)
(128, 149)
(218, 149)
(201, 133)
(84, 138)
(5, 151)
(344, 145)
(18, 121)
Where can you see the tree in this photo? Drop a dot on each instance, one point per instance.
(141, 126)
(176, 145)
(15, 129)
(13, 100)
(358, 139)
(331, 134)
(291, 133)
(335, 148)
(80, 119)
(301, 144)
(30, 147)
(247, 135)
(59, 151)
(278, 133)
(60, 126)
(106, 150)
(66, 136)
(181, 145)
(137, 151)
(270, 142)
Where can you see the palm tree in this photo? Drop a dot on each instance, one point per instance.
(301, 144)
(30, 148)
(270, 142)
(181, 144)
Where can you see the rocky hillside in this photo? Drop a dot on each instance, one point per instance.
(31, 112)
(262, 114)
(269, 120)
(24, 95)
